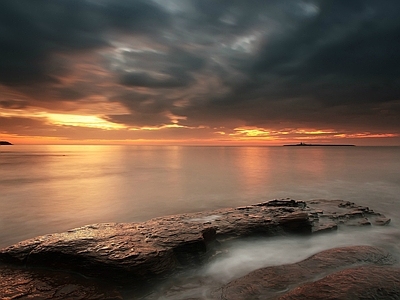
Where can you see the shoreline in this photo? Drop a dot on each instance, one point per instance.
(141, 254)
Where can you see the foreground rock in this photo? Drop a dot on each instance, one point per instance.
(18, 283)
(137, 252)
(268, 283)
(367, 282)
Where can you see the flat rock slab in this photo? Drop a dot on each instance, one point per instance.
(367, 282)
(136, 252)
(132, 251)
(270, 282)
(331, 214)
(17, 283)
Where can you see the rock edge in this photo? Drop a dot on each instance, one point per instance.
(137, 252)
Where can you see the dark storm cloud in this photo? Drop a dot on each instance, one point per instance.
(13, 104)
(143, 79)
(142, 103)
(292, 63)
(349, 52)
(339, 62)
(174, 69)
(32, 31)
(140, 119)
(146, 110)
(227, 17)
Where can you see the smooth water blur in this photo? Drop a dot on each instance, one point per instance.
(47, 189)
(244, 256)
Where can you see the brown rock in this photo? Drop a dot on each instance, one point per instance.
(137, 252)
(42, 284)
(121, 252)
(367, 282)
(381, 221)
(326, 213)
(269, 282)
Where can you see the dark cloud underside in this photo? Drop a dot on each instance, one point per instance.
(298, 63)
(32, 31)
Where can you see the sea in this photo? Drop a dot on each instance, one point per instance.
(53, 188)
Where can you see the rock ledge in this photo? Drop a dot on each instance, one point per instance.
(126, 253)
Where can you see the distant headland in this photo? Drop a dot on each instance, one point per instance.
(5, 143)
(319, 145)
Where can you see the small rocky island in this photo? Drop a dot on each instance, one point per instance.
(319, 145)
(122, 260)
(5, 143)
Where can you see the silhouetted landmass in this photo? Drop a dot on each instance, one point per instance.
(319, 145)
(5, 143)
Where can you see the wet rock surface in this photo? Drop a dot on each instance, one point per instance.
(367, 282)
(134, 253)
(19, 283)
(267, 283)
(330, 214)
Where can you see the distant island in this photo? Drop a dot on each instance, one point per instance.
(319, 145)
(5, 143)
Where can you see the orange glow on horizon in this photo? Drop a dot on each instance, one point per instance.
(245, 133)
(82, 121)
(240, 136)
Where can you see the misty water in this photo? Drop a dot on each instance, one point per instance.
(46, 189)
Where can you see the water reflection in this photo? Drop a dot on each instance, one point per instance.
(253, 167)
(53, 188)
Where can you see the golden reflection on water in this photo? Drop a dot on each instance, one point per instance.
(307, 162)
(253, 166)
(81, 181)
(54, 188)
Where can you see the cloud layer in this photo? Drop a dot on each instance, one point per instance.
(203, 65)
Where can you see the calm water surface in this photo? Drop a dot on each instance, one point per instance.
(45, 189)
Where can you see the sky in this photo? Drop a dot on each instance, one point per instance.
(200, 72)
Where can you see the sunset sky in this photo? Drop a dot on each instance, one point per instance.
(201, 72)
